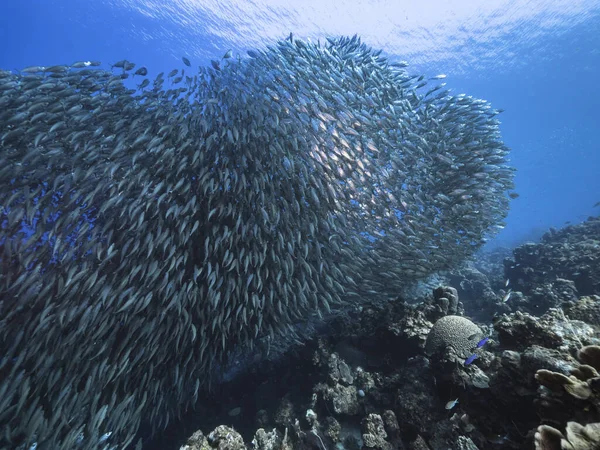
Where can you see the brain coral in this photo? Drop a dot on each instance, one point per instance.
(453, 331)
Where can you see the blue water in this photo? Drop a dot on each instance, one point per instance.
(539, 61)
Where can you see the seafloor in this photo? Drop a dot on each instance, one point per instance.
(370, 381)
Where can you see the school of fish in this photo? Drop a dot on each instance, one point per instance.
(147, 233)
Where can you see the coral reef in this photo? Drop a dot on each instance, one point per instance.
(563, 265)
(392, 376)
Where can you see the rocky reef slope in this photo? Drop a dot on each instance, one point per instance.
(426, 377)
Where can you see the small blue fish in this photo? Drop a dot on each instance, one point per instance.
(482, 342)
(451, 404)
(470, 359)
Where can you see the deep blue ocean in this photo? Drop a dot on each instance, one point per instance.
(539, 61)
